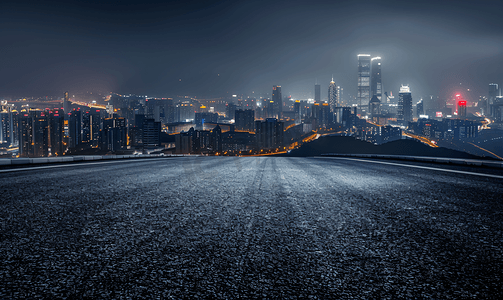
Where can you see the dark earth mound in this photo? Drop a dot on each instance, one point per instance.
(350, 145)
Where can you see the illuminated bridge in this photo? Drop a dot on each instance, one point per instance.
(251, 227)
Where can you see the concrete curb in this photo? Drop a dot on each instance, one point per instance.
(443, 160)
(49, 160)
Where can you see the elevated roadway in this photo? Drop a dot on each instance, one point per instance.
(251, 227)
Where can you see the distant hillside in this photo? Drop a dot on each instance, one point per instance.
(350, 145)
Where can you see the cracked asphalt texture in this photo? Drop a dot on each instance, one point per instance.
(252, 227)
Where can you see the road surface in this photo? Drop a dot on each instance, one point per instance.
(255, 227)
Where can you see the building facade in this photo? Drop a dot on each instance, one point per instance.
(363, 95)
(332, 95)
(375, 78)
(404, 111)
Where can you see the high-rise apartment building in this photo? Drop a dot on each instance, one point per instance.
(277, 100)
(404, 112)
(56, 132)
(363, 95)
(114, 134)
(40, 134)
(6, 124)
(269, 133)
(151, 135)
(298, 113)
(375, 78)
(74, 128)
(245, 120)
(25, 135)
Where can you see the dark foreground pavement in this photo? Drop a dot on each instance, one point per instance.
(222, 227)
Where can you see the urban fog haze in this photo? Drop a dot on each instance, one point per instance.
(214, 48)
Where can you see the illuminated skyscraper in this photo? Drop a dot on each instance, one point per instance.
(461, 108)
(298, 112)
(375, 78)
(332, 95)
(66, 105)
(420, 108)
(317, 92)
(404, 113)
(6, 124)
(277, 100)
(56, 132)
(26, 142)
(375, 107)
(75, 128)
(363, 95)
(493, 92)
(40, 134)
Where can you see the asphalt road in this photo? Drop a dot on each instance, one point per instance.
(256, 227)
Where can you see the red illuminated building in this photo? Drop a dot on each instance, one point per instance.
(461, 106)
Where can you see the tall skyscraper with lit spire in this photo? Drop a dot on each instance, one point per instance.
(332, 95)
(363, 95)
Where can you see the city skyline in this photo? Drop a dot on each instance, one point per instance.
(171, 47)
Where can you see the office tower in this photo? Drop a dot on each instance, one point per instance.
(151, 133)
(340, 95)
(205, 117)
(6, 124)
(461, 108)
(343, 116)
(66, 105)
(363, 95)
(25, 135)
(230, 110)
(497, 109)
(298, 112)
(375, 78)
(269, 109)
(75, 128)
(277, 101)
(94, 127)
(315, 111)
(317, 92)
(114, 134)
(169, 111)
(56, 132)
(404, 112)
(245, 120)
(40, 134)
(332, 95)
(325, 115)
(184, 111)
(420, 108)
(216, 139)
(375, 107)
(269, 134)
(493, 92)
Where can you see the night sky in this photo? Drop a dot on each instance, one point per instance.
(206, 49)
